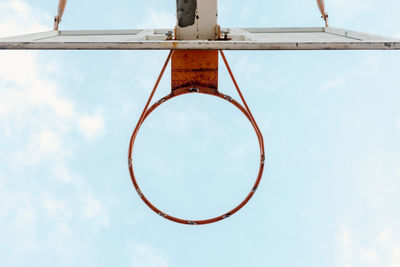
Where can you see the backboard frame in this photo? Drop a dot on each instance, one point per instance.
(298, 38)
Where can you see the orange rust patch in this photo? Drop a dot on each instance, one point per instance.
(194, 68)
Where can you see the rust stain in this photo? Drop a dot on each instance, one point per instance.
(174, 45)
(194, 68)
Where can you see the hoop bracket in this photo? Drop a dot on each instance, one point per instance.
(194, 68)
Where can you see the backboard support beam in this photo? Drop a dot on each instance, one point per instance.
(306, 38)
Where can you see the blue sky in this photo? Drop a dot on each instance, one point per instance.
(330, 119)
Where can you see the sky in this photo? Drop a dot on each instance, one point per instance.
(331, 122)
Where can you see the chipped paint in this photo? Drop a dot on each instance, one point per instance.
(264, 39)
(196, 20)
(186, 12)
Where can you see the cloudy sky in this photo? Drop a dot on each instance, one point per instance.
(331, 122)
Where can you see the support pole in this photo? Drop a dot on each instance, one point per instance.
(197, 20)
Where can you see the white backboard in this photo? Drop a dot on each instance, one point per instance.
(237, 39)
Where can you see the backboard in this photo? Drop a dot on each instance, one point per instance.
(306, 38)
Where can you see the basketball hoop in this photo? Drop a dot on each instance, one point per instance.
(194, 44)
(191, 89)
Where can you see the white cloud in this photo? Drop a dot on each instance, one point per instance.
(36, 124)
(94, 210)
(382, 248)
(28, 97)
(347, 10)
(358, 4)
(61, 212)
(17, 17)
(25, 89)
(244, 66)
(239, 151)
(57, 208)
(41, 145)
(376, 171)
(332, 84)
(25, 214)
(374, 242)
(91, 126)
(62, 173)
(343, 12)
(34, 113)
(145, 256)
(156, 18)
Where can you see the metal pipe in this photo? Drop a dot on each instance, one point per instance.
(196, 20)
(321, 6)
(60, 13)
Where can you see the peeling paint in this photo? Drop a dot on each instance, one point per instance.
(186, 12)
(241, 39)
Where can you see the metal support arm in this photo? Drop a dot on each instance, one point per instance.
(60, 12)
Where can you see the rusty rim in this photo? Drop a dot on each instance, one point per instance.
(208, 91)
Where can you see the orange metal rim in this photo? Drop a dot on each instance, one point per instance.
(208, 91)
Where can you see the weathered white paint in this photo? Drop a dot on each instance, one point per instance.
(206, 21)
(240, 39)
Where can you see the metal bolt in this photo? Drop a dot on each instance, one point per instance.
(139, 192)
(224, 34)
(168, 34)
(227, 97)
(226, 216)
(162, 100)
